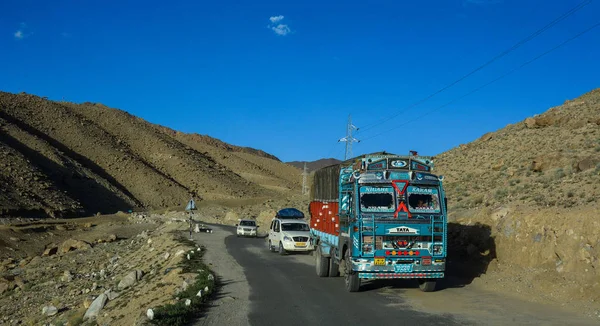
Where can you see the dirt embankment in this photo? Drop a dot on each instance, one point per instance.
(533, 187)
(101, 270)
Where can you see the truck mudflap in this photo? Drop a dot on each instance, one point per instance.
(376, 275)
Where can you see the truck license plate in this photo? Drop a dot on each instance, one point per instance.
(379, 261)
(300, 244)
(403, 268)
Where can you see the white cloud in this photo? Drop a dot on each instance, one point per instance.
(277, 27)
(281, 29)
(276, 19)
(21, 32)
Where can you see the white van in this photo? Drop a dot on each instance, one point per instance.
(289, 233)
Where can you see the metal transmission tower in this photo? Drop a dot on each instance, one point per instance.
(304, 179)
(349, 139)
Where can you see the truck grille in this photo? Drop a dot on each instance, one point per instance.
(301, 239)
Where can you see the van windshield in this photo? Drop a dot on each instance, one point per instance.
(294, 227)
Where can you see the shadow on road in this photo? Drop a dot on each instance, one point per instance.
(471, 248)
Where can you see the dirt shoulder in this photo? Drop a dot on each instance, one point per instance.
(61, 276)
(231, 304)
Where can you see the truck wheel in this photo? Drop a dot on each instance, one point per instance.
(427, 286)
(321, 263)
(281, 250)
(334, 268)
(350, 277)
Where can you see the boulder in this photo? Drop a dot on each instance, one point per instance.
(19, 283)
(107, 239)
(111, 294)
(73, 244)
(586, 164)
(50, 250)
(67, 276)
(487, 137)
(49, 310)
(5, 285)
(96, 306)
(130, 279)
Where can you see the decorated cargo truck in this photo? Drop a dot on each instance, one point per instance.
(379, 216)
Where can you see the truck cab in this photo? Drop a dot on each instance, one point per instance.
(389, 220)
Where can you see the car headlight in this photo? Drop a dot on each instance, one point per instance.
(286, 238)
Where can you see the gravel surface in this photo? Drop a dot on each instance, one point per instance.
(231, 304)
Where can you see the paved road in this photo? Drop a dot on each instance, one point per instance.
(284, 290)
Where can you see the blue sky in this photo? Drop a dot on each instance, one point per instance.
(284, 76)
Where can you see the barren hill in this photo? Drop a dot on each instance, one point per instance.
(64, 159)
(548, 160)
(534, 185)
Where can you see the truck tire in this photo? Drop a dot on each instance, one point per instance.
(334, 268)
(427, 286)
(281, 250)
(321, 263)
(351, 279)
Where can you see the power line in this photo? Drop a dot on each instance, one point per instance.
(502, 54)
(490, 82)
(349, 139)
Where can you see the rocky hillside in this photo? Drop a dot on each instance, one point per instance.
(533, 188)
(64, 159)
(550, 160)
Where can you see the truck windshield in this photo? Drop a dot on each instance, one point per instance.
(377, 199)
(423, 199)
(294, 227)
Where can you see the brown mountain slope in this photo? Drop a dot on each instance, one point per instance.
(548, 160)
(70, 159)
(253, 165)
(532, 189)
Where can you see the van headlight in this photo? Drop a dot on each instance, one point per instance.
(286, 238)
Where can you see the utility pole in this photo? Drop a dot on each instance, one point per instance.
(304, 178)
(349, 139)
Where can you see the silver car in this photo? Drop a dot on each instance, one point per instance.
(247, 228)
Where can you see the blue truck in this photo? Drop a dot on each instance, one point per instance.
(380, 216)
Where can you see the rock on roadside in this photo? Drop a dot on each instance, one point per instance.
(73, 244)
(96, 306)
(130, 279)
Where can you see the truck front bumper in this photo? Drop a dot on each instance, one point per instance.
(367, 270)
(399, 275)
